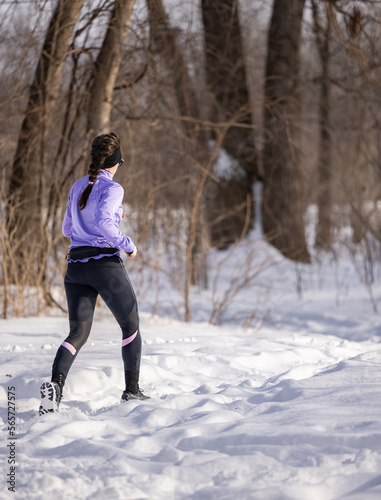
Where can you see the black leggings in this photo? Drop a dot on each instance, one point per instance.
(83, 282)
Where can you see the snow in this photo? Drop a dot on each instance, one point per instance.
(281, 401)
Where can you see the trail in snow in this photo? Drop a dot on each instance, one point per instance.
(272, 414)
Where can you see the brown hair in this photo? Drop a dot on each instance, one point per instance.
(103, 146)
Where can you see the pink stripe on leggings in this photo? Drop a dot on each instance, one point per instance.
(69, 347)
(129, 339)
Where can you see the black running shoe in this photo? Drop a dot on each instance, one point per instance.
(126, 396)
(50, 397)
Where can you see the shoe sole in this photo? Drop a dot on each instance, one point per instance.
(48, 399)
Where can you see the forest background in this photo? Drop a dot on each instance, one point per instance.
(231, 113)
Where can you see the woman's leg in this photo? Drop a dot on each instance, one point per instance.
(112, 283)
(81, 300)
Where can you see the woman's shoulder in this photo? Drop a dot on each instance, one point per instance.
(110, 183)
(106, 177)
(109, 187)
(80, 183)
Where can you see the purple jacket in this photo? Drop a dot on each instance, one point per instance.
(97, 224)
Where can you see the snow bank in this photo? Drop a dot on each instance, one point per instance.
(275, 414)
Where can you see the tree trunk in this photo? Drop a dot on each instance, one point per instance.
(164, 41)
(227, 87)
(226, 79)
(28, 190)
(283, 193)
(323, 238)
(107, 67)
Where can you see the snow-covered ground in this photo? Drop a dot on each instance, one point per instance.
(281, 401)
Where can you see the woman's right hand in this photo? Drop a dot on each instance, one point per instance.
(132, 254)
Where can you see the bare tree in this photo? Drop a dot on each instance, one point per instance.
(283, 197)
(357, 32)
(322, 28)
(107, 67)
(229, 97)
(164, 42)
(194, 139)
(28, 189)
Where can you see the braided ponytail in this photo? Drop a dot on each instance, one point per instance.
(102, 147)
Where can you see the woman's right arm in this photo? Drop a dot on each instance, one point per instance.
(104, 216)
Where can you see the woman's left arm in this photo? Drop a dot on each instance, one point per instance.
(67, 221)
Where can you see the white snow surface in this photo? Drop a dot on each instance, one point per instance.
(288, 408)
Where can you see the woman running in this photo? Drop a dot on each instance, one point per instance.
(92, 217)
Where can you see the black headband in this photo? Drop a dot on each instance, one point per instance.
(113, 159)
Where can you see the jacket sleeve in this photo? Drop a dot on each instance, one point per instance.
(67, 223)
(106, 215)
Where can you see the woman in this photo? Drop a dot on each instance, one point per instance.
(92, 217)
